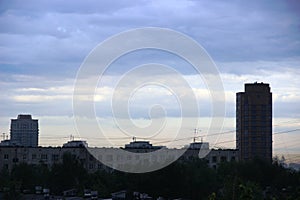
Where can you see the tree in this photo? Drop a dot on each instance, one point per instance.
(69, 174)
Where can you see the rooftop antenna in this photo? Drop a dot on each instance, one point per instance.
(196, 131)
(71, 137)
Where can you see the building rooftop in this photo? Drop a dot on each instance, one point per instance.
(24, 116)
(141, 145)
(199, 145)
(257, 87)
(76, 143)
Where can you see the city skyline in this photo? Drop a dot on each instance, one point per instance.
(253, 41)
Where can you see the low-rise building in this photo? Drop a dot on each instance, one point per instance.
(12, 155)
(5, 143)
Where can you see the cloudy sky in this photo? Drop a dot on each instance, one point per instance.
(44, 43)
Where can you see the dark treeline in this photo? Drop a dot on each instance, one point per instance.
(190, 180)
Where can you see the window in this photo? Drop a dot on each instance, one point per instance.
(109, 158)
(119, 158)
(44, 157)
(223, 159)
(154, 158)
(5, 156)
(214, 159)
(6, 166)
(137, 157)
(24, 156)
(33, 156)
(55, 157)
(91, 158)
(91, 166)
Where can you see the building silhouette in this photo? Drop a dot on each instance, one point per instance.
(24, 131)
(254, 122)
(14, 155)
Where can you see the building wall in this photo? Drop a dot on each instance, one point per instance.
(10, 156)
(254, 122)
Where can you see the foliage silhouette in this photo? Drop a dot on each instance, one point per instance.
(186, 179)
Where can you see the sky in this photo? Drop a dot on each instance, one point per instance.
(44, 43)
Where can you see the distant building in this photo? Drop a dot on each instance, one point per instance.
(254, 122)
(141, 145)
(5, 143)
(199, 145)
(213, 157)
(76, 143)
(24, 131)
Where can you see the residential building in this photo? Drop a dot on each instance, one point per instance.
(12, 155)
(254, 122)
(24, 131)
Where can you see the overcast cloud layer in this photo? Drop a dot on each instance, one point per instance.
(43, 43)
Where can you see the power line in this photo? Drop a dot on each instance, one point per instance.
(191, 137)
(129, 137)
(280, 132)
(169, 140)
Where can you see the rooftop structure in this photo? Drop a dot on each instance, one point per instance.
(76, 143)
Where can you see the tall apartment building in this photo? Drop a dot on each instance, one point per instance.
(24, 131)
(254, 122)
